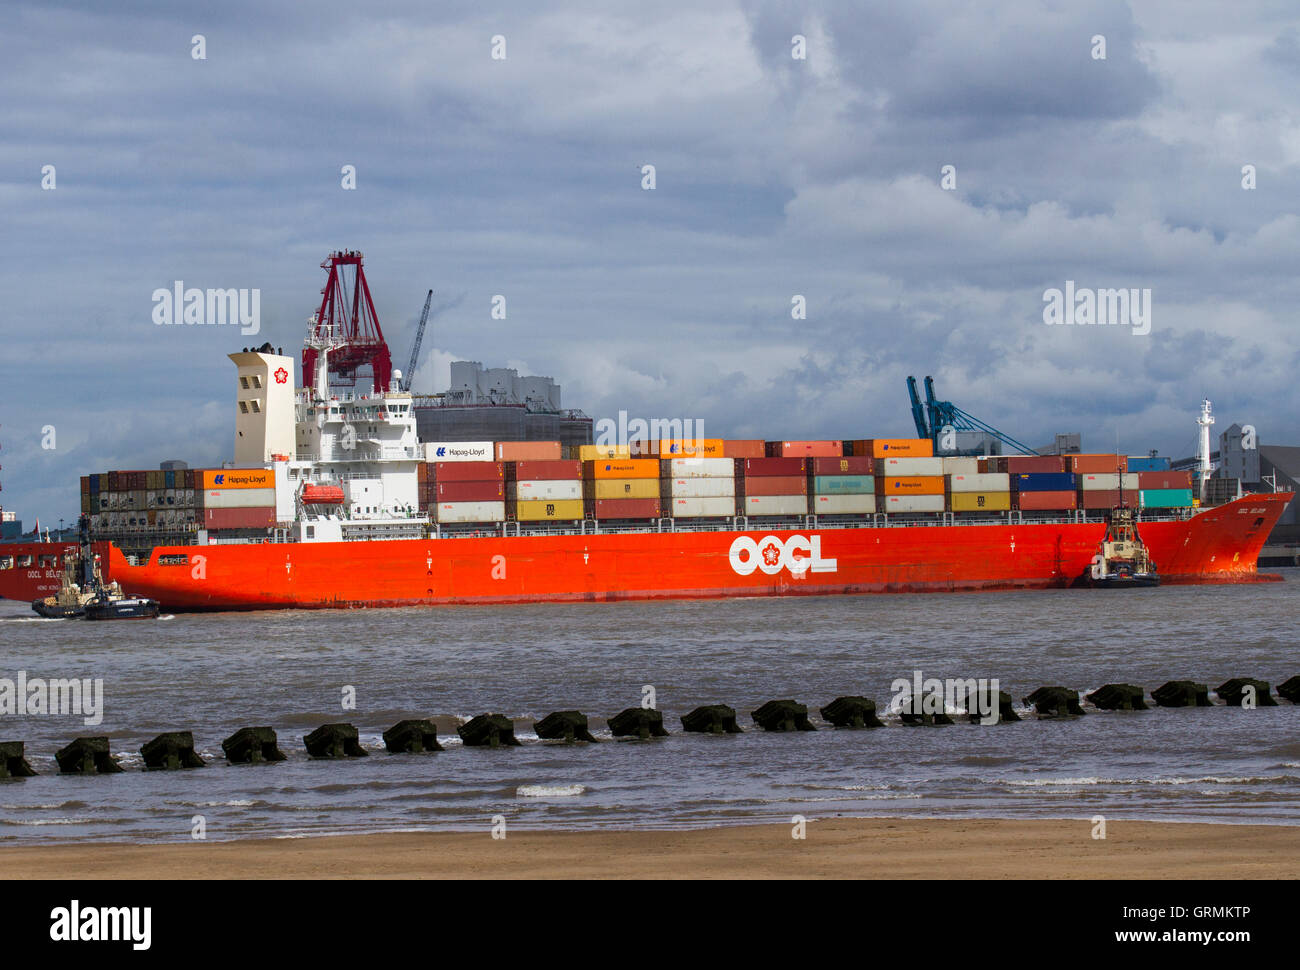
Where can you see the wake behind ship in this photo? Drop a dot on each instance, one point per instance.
(333, 501)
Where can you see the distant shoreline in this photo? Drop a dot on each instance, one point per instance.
(834, 848)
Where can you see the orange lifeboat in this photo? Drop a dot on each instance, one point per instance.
(322, 495)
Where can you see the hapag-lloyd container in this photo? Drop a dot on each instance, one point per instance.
(540, 511)
(777, 485)
(1165, 498)
(549, 489)
(986, 482)
(528, 451)
(623, 468)
(1046, 501)
(844, 485)
(222, 478)
(844, 504)
(604, 488)
(980, 501)
(700, 487)
(911, 503)
(692, 447)
(469, 471)
(693, 508)
(698, 468)
(914, 485)
(625, 508)
(452, 451)
(470, 491)
(851, 465)
(536, 471)
(899, 447)
(234, 498)
(463, 512)
(909, 467)
(774, 467)
(953, 465)
(775, 505)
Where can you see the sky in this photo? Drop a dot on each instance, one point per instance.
(775, 177)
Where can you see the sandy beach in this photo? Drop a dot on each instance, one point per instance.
(835, 849)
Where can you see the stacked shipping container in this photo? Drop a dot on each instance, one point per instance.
(842, 486)
(622, 488)
(694, 488)
(469, 491)
(773, 486)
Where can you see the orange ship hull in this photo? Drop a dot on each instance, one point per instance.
(1220, 545)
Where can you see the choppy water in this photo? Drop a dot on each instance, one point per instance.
(214, 673)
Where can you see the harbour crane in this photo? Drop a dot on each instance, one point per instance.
(935, 417)
(415, 349)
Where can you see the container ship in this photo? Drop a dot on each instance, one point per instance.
(333, 501)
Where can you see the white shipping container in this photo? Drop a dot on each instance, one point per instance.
(912, 503)
(907, 467)
(703, 487)
(702, 468)
(238, 498)
(961, 466)
(1105, 481)
(987, 482)
(471, 511)
(460, 451)
(549, 490)
(776, 505)
(692, 508)
(843, 504)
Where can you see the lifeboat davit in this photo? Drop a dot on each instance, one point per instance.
(322, 495)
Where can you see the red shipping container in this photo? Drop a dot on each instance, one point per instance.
(777, 485)
(810, 449)
(470, 471)
(547, 471)
(528, 451)
(1161, 480)
(258, 518)
(1046, 501)
(743, 448)
(1097, 464)
(1108, 498)
(625, 508)
(1029, 464)
(422, 472)
(471, 491)
(857, 465)
(756, 467)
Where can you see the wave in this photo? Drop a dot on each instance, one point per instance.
(549, 791)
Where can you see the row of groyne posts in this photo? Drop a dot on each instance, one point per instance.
(175, 749)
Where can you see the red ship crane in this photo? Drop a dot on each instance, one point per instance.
(346, 326)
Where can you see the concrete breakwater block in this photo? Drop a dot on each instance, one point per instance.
(1290, 689)
(12, 762)
(488, 731)
(783, 715)
(87, 756)
(1118, 697)
(1234, 692)
(171, 751)
(564, 726)
(852, 712)
(924, 718)
(712, 719)
(978, 700)
(1055, 702)
(334, 741)
(252, 745)
(412, 736)
(640, 722)
(1182, 693)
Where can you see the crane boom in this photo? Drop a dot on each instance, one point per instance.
(415, 348)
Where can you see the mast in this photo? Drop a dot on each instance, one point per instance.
(1203, 448)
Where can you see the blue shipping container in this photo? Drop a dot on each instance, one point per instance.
(844, 485)
(169, 479)
(1148, 464)
(1044, 482)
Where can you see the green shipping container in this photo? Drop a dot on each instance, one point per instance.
(844, 485)
(1165, 498)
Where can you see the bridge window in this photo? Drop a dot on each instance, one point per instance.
(6, 562)
(24, 562)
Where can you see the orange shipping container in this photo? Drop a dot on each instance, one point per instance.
(911, 485)
(743, 448)
(810, 449)
(1098, 464)
(692, 448)
(238, 478)
(900, 448)
(623, 468)
(528, 451)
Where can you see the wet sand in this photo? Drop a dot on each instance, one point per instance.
(839, 848)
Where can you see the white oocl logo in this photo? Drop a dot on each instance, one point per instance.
(771, 555)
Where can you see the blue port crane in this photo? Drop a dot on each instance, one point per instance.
(415, 348)
(935, 416)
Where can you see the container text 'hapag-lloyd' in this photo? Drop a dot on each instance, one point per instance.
(771, 555)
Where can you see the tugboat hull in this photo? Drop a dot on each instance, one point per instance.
(125, 609)
(56, 612)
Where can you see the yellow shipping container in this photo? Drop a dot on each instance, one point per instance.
(691, 448)
(981, 501)
(626, 488)
(539, 511)
(601, 452)
(622, 468)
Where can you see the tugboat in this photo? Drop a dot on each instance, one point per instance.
(84, 594)
(1123, 562)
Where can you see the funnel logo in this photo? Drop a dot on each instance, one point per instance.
(799, 554)
(281, 375)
